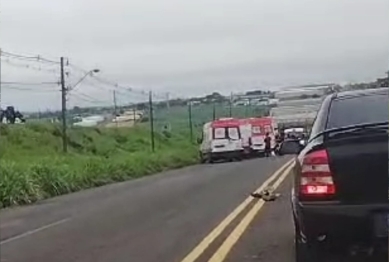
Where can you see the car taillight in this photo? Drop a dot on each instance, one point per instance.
(316, 176)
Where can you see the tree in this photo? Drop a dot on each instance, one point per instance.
(255, 93)
(304, 96)
(77, 110)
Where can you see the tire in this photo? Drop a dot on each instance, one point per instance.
(205, 158)
(202, 159)
(260, 154)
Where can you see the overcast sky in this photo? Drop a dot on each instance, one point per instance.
(191, 47)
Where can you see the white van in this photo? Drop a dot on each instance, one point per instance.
(221, 140)
(255, 133)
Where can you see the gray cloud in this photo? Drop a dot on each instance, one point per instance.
(191, 47)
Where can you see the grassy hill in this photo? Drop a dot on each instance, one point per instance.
(33, 167)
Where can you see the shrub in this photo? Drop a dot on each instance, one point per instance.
(33, 166)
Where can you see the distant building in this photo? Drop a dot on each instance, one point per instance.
(273, 102)
(298, 93)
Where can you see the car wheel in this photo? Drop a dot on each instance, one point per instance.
(206, 158)
(202, 158)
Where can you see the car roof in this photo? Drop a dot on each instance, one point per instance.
(361, 92)
(225, 122)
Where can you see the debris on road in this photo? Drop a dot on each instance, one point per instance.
(266, 194)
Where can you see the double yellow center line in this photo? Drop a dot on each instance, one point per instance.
(231, 240)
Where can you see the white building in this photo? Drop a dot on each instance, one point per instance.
(303, 91)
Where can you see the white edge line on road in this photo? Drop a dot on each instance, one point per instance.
(31, 232)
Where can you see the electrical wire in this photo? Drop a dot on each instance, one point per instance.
(29, 66)
(29, 83)
(123, 92)
(108, 86)
(38, 58)
(18, 88)
(103, 83)
(87, 98)
(117, 86)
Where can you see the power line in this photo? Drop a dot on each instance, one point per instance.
(27, 89)
(87, 98)
(29, 66)
(28, 83)
(123, 92)
(128, 88)
(119, 86)
(104, 87)
(38, 58)
(104, 83)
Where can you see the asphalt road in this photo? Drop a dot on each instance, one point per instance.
(270, 236)
(179, 215)
(156, 218)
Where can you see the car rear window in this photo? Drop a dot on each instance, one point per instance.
(226, 133)
(219, 133)
(233, 133)
(358, 110)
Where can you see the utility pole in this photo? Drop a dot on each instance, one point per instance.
(167, 101)
(114, 103)
(214, 111)
(151, 121)
(167, 123)
(190, 120)
(231, 105)
(115, 107)
(134, 114)
(246, 109)
(63, 93)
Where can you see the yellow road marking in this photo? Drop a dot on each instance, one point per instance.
(202, 246)
(231, 240)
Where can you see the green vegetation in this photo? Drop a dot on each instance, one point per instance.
(33, 167)
(178, 116)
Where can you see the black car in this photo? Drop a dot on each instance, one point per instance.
(289, 146)
(340, 189)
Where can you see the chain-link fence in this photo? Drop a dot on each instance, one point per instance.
(188, 118)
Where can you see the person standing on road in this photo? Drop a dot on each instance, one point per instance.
(267, 145)
(278, 143)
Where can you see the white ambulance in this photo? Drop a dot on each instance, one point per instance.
(259, 128)
(221, 140)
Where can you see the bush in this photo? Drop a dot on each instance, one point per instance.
(33, 166)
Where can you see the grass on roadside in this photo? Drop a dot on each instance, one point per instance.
(33, 167)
